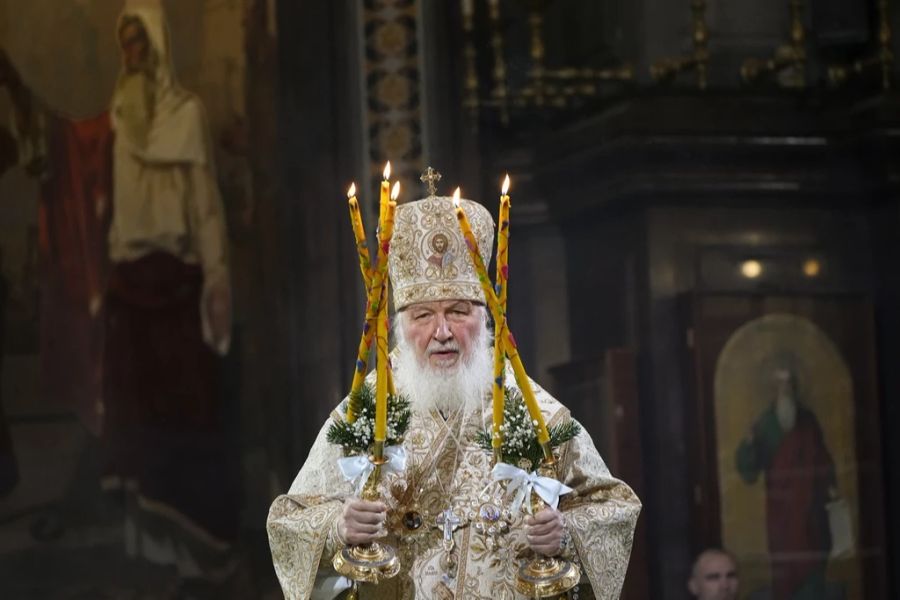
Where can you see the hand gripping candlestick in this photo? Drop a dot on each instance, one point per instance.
(546, 576)
(375, 561)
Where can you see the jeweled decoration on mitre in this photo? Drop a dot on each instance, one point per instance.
(428, 259)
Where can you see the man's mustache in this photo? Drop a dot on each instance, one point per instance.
(448, 346)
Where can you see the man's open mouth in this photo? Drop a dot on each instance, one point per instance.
(444, 353)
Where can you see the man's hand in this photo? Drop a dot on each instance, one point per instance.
(361, 522)
(545, 531)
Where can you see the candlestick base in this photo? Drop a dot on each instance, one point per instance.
(371, 563)
(375, 561)
(546, 577)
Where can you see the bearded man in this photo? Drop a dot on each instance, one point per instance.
(443, 364)
(787, 446)
(136, 293)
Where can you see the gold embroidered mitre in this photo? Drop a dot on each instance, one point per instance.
(428, 259)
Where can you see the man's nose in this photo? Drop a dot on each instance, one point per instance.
(442, 333)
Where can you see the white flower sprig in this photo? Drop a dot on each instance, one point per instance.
(520, 435)
(357, 437)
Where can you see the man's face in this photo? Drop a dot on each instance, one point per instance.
(443, 332)
(714, 577)
(439, 244)
(135, 46)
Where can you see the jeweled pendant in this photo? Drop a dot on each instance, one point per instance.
(412, 520)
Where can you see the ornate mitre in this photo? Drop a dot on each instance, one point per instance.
(428, 259)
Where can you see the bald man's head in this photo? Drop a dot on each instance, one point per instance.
(714, 576)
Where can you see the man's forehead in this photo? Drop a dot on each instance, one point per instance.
(713, 561)
(439, 304)
(132, 28)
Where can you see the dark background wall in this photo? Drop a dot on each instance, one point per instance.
(625, 204)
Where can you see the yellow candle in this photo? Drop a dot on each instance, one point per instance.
(472, 246)
(365, 268)
(502, 276)
(509, 342)
(381, 375)
(365, 344)
(497, 397)
(381, 337)
(392, 208)
(362, 358)
(515, 360)
(373, 304)
(386, 294)
(391, 389)
(359, 232)
(384, 198)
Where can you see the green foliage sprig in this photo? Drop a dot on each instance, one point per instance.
(357, 437)
(520, 442)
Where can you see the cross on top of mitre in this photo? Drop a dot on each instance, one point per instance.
(430, 178)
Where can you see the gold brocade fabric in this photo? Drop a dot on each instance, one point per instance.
(601, 515)
(429, 260)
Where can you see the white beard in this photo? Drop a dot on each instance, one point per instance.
(786, 411)
(461, 387)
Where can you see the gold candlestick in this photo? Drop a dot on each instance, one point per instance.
(376, 561)
(546, 576)
(546, 87)
(883, 57)
(789, 59)
(667, 68)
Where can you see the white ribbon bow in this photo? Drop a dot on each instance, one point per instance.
(356, 469)
(521, 483)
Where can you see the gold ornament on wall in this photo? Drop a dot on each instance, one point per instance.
(667, 69)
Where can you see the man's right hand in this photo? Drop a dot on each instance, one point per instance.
(361, 522)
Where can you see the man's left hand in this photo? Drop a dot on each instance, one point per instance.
(545, 531)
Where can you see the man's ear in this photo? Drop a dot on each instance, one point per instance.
(692, 587)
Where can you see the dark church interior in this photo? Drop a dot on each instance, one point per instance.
(705, 202)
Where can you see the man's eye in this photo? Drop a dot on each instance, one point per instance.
(420, 317)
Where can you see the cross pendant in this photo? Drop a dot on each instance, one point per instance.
(448, 521)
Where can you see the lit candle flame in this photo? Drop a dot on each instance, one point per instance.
(505, 185)
(395, 192)
(456, 198)
(352, 191)
(387, 170)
